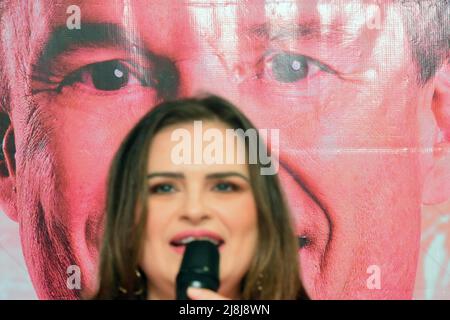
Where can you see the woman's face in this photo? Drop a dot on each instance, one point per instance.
(212, 201)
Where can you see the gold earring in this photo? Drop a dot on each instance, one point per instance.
(259, 284)
(137, 292)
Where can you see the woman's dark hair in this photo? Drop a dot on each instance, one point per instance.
(276, 256)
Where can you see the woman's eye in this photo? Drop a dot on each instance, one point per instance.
(225, 187)
(288, 67)
(106, 76)
(162, 188)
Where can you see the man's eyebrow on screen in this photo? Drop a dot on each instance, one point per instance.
(303, 30)
(92, 35)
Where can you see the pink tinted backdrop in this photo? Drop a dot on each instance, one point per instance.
(358, 89)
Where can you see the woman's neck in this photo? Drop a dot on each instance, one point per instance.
(154, 293)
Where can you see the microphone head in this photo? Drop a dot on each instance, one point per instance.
(199, 268)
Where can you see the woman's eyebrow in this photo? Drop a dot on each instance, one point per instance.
(91, 35)
(220, 175)
(179, 175)
(176, 175)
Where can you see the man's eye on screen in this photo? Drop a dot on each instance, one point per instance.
(105, 76)
(289, 67)
(110, 75)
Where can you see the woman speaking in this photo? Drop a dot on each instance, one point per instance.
(156, 205)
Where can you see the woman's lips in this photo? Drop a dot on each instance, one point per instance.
(180, 240)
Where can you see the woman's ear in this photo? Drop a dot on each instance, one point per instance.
(8, 194)
(437, 180)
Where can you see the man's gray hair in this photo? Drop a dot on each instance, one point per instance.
(428, 26)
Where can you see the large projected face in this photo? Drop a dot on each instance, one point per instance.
(338, 79)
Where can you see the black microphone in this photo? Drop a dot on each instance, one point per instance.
(199, 268)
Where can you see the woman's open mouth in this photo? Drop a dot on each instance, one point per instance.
(179, 242)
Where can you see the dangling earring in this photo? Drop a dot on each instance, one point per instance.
(137, 292)
(259, 284)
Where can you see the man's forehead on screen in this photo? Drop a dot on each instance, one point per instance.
(245, 26)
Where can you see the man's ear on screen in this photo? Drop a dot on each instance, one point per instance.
(8, 192)
(437, 179)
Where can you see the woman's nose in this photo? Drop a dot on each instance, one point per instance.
(194, 209)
